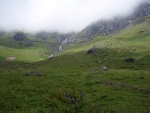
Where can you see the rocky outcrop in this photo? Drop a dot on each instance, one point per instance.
(19, 36)
(92, 50)
(142, 10)
(42, 35)
(129, 60)
(111, 26)
(2, 33)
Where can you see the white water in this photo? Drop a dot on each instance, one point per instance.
(64, 41)
(51, 56)
(60, 48)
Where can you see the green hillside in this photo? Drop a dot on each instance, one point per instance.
(30, 49)
(130, 38)
(74, 81)
(27, 55)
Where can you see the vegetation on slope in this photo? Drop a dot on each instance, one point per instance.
(42, 86)
(130, 38)
(26, 55)
(28, 49)
(75, 81)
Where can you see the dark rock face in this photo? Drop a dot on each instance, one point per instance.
(2, 33)
(42, 35)
(92, 50)
(104, 28)
(73, 100)
(111, 26)
(34, 73)
(129, 60)
(142, 10)
(19, 36)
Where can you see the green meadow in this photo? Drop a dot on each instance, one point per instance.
(77, 82)
(27, 55)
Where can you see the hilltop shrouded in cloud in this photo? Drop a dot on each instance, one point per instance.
(59, 15)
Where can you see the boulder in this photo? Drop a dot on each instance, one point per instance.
(92, 50)
(19, 36)
(129, 60)
(105, 59)
(104, 67)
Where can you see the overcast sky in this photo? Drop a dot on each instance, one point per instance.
(59, 15)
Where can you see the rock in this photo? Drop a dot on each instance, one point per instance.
(42, 35)
(106, 27)
(73, 100)
(19, 36)
(2, 33)
(141, 77)
(68, 95)
(27, 74)
(92, 50)
(104, 67)
(34, 73)
(39, 74)
(141, 31)
(105, 59)
(129, 60)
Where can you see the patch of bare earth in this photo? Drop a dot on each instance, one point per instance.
(11, 58)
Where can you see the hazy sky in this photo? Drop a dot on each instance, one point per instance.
(59, 15)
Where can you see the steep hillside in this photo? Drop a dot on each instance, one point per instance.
(106, 27)
(19, 43)
(51, 43)
(21, 52)
(132, 38)
(26, 46)
(112, 77)
(100, 73)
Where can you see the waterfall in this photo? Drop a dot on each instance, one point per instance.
(60, 48)
(51, 56)
(64, 41)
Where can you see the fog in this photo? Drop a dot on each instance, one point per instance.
(59, 15)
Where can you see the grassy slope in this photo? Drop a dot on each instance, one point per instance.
(134, 37)
(7, 40)
(9, 47)
(28, 55)
(74, 70)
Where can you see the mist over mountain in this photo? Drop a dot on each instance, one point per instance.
(60, 15)
(106, 27)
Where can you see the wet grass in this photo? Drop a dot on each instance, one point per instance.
(41, 87)
(73, 73)
(27, 55)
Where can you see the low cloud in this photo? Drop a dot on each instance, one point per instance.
(59, 15)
